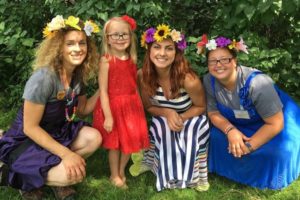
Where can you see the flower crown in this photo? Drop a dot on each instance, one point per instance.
(130, 21)
(59, 22)
(220, 42)
(162, 32)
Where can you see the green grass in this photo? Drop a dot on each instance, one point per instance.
(97, 186)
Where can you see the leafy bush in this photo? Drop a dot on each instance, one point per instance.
(270, 28)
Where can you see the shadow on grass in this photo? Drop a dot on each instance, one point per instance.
(97, 187)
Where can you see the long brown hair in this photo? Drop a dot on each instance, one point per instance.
(179, 68)
(49, 54)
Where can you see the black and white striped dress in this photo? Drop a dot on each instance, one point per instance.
(178, 159)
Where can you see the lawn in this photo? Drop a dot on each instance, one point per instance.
(97, 185)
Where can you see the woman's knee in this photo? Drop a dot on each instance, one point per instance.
(96, 137)
(57, 177)
(64, 182)
(93, 136)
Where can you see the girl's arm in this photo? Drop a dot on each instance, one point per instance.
(74, 163)
(87, 105)
(194, 88)
(103, 85)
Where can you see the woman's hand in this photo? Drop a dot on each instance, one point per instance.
(108, 124)
(174, 120)
(74, 165)
(236, 144)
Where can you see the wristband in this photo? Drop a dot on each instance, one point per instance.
(249, 146)
(228, 129)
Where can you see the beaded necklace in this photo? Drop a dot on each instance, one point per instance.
(69, 102)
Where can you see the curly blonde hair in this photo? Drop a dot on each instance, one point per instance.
(49, 54)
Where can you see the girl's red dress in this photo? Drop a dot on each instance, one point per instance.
(129, 133)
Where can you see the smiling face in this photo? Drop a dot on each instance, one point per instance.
(118, 36)
(221, 64)
(74, 49)
(162, 54)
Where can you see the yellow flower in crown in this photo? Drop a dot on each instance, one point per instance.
(90, 27)
(162, 32)
(47, 32)
(73, 22)
(58, 23)
(143, 40)
(232, 45)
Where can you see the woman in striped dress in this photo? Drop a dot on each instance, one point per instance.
(173, 94)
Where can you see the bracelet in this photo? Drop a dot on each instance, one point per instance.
(249, 146)
(228, 129)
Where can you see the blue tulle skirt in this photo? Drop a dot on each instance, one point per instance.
(274, 165)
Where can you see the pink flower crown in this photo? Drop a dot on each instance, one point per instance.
(220, 41)
(160, 33)
(130, 21)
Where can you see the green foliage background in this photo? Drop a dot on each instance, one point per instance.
(271, 29)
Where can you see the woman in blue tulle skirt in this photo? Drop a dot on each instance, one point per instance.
(255, 134)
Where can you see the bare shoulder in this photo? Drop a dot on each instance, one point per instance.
(104, 59)
(139, 73)
(103, 63)
(192, 81)
(139, 76)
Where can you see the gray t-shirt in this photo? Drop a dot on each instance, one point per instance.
(44, 84)
(261, 92)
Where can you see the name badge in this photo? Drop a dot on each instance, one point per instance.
(241, 114)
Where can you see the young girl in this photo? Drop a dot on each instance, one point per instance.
(119, 113)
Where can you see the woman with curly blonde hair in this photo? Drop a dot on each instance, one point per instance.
(46, 144)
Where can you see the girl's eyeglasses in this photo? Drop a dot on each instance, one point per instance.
(119, 36)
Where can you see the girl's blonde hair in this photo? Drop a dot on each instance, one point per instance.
(49, 54)
(131, 50)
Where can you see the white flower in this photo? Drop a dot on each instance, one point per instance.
(88, 28)
(211, 45)
(175, 35)
(56, 23)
